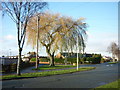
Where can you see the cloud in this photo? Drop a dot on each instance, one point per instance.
(8, 42)
(10, 37)
(98, 42)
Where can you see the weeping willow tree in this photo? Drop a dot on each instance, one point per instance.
(56, 32)
(77, 29)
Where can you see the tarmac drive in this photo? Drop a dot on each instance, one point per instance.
(103, 74)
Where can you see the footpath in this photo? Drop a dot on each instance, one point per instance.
(30, 69)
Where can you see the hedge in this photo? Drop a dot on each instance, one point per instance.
(41, 59)
(95, 59)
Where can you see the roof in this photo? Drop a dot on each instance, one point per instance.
(31, 53)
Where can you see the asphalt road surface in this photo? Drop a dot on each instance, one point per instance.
(104, 73)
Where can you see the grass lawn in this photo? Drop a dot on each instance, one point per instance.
(1, 71)
(113, 62)
(47, 67)
(111, 85)
(45, 73)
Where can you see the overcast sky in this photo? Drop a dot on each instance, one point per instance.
(102, 18)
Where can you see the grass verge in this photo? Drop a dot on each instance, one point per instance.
(47, 67)
(113, 62)
(45, 73)
(110, 85)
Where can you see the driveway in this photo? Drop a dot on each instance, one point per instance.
(104, 73)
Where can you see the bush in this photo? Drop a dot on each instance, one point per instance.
(89, 59)
(44, 59)
(102, 60)
(33, 59)
(72, 60)
(62, 61)
(26, 64)
(41, 59)
(59, 60)
(81, 60)
(84, 58)
(95, 59)
(69, 60)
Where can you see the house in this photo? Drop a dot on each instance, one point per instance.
(65, 54)
(87, 55)
(28, 56)
(61, 55)
(72, 55)
(31, 54)
(107, 59)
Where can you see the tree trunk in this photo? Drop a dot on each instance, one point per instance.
(51, 56)
(19, 62)
(113, 56)
(52, 60)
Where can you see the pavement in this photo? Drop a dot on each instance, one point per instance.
(30, 69)
(103, 74)
(26, 70)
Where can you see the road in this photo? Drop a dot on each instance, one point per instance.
(104, 73)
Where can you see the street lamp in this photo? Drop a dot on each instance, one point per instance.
(77, 52)
(10, 52)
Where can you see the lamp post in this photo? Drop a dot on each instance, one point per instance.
(37, 45)
(10, 52)
(77, 52)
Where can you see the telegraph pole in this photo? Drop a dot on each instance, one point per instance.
(38, 19)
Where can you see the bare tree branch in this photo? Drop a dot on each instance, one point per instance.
(20, 13)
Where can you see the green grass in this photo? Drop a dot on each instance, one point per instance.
(1, 71)
(46, 73)
(47, 67)
(113, 62)
(110, 85)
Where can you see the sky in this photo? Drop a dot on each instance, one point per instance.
(101, 17)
